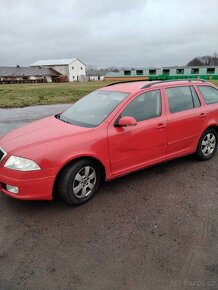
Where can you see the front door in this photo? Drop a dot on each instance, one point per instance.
(134, 147)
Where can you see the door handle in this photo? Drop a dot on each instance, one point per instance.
(161, 126)
(202, 115)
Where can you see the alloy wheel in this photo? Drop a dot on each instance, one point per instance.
(208, 144)
(84, 182)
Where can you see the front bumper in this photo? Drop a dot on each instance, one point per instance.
(34, 185)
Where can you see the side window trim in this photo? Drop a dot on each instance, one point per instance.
(192, 97)
(192, 89)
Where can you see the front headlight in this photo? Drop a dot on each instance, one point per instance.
(22, 164)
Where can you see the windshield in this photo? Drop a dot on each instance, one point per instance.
(93, 109)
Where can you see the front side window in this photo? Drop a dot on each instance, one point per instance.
(182, 99)
(145, 106)
(93, 109)
(209, 94)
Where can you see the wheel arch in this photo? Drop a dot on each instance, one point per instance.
(214, 126)
(93, 159)
(198, 151)
(210, 126)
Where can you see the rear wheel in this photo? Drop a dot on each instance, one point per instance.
(207, 145)
(79, 181)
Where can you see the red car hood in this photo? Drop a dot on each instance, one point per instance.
(40, 132)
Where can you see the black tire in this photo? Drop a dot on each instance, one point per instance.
(207, 145)
(74, 177)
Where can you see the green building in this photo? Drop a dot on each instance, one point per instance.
(165, 73)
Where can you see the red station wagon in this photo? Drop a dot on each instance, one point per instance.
(111, 132)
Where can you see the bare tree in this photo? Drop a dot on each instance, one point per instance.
(206, 60)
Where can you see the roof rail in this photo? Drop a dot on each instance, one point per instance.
(169, 81)
(123, 82)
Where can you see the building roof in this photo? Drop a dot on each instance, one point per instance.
(50, 62)
(27, 71)
(190, 66)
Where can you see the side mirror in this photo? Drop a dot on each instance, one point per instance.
(127, 121)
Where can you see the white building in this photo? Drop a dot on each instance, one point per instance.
(72, 68)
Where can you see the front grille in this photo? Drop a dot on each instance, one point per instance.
(2, 154)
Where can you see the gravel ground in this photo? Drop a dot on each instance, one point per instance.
(152, 230)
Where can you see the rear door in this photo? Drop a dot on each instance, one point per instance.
(186, 120)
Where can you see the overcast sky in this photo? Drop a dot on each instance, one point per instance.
(108, 32)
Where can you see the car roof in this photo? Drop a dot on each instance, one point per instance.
(129, 87)
(133, 86)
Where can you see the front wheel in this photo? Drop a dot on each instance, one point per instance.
(79, 181)
(207, 145)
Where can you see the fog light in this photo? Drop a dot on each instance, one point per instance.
(12, 189)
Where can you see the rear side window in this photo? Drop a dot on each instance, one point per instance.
(145, 106)
(182, 99)
(209, 94)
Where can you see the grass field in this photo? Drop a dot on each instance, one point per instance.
(22, 95)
